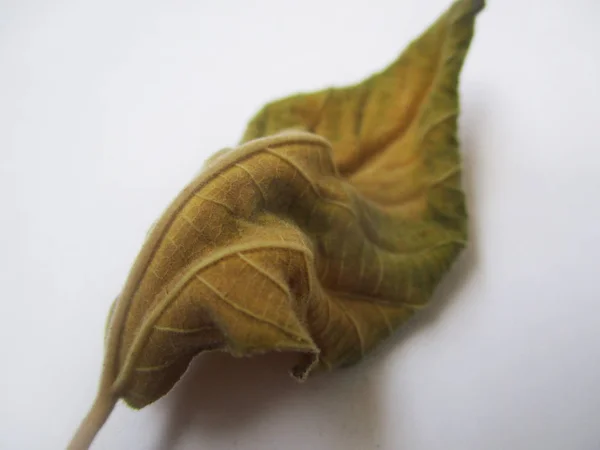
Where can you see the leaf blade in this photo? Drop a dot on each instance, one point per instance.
(320, 241)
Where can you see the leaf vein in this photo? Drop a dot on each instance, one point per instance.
(216, 202)
(256, 183)
(267, 275)
(249, 313)
(156, 368)
(355, 326)
(385, 318)
(183, 330)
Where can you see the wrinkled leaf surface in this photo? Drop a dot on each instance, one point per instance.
(321, 234)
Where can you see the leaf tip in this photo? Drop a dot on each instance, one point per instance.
(477, 5)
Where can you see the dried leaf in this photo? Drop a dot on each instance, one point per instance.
(320, 241)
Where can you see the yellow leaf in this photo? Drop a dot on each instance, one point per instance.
(394, 134)
(320, 241)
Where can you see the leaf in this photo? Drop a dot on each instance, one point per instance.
(320, 240)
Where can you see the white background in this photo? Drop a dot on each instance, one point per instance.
(108, 108)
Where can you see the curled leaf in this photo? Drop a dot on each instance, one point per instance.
(322, 233)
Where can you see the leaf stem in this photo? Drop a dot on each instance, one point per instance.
(93, 421)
